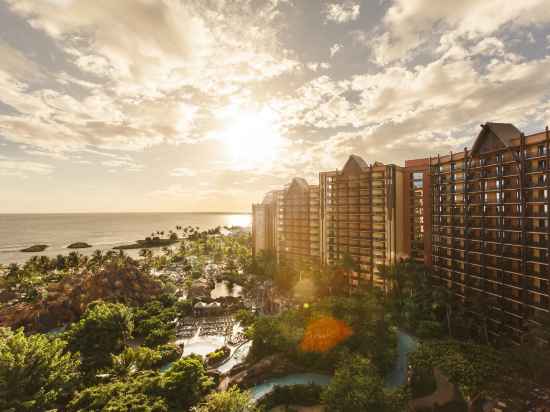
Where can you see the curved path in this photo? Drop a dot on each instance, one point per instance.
(445, 393)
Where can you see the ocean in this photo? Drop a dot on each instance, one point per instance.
(101, 230)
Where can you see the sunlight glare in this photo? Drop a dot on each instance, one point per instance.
(252, 139)
(239, 220)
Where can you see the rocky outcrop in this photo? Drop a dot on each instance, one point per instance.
(79, 245)
(200, 288)
(68, 299)
(35, 249)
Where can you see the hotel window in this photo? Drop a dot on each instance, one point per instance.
(500, 157)
(541, 150)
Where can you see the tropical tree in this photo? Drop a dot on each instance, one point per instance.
(185, 383)
(139, 393)
(231, 400)
(36, 373)
(475, 369)
(443, 297)
(356, 386)
(147, 255)
(104, 329)
(134, 360)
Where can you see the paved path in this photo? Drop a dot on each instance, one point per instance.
(444, 394)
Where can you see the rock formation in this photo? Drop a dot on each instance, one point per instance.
(66, 300)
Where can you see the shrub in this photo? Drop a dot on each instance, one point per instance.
(213, 358)
(304, 395)
(428, 329)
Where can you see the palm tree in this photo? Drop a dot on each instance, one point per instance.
(60, 262)
(147, 255)
(444, 297)
(110, 254)
(97, 258)
(481, 310)
(73, 260)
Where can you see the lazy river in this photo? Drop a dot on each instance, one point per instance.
(264, 388)
(396, 377)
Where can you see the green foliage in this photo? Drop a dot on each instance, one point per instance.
(184, 308)
(356, 386)
(213, 358)
(158, 336)
(36, 373)
(305, 395)
(371, 336)
(473, 368)
(231, 400)
(180, 388)
(245, 317)
(268, 338)
(154, 321)
(136, 359)
(428, 329)
(103, 330)
(185, 383)
(141, 393)
(169, 352)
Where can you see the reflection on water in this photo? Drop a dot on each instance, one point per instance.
(262, 389)
(221, 289)
(239, 220)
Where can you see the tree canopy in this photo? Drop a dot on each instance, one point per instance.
(36, 372)
(103, 330)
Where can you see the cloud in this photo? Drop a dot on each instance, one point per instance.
(115, 165)
(334, 49)
(342, 12)
(183, 172)
(143, 65)
(409, 24)
(23, 168)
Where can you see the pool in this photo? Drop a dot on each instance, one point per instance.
(396, 377)
(264, 388)
(405, 345)
(238, 356)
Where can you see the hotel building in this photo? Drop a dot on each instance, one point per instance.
(490, 225)
(361, 210)
(298, 224)
(479, 218)
(264, 216)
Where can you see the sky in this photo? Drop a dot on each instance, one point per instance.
(205, 105)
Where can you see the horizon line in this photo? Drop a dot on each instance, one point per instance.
(120, 213)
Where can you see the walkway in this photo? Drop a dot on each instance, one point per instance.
(444, 394)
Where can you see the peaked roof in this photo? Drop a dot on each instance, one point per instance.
(505, 132)
(297, 184)
(268, 198)
(355, 161)
(300, 182)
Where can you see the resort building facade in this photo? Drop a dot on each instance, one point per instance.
(298, 224)
(264, 229)
(361, 210)
(491, 232)
(479, 218)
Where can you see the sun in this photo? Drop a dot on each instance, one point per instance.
(251, 139)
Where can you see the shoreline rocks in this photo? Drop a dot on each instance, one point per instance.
(79, 245)
(147, 244)
(34, 249)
